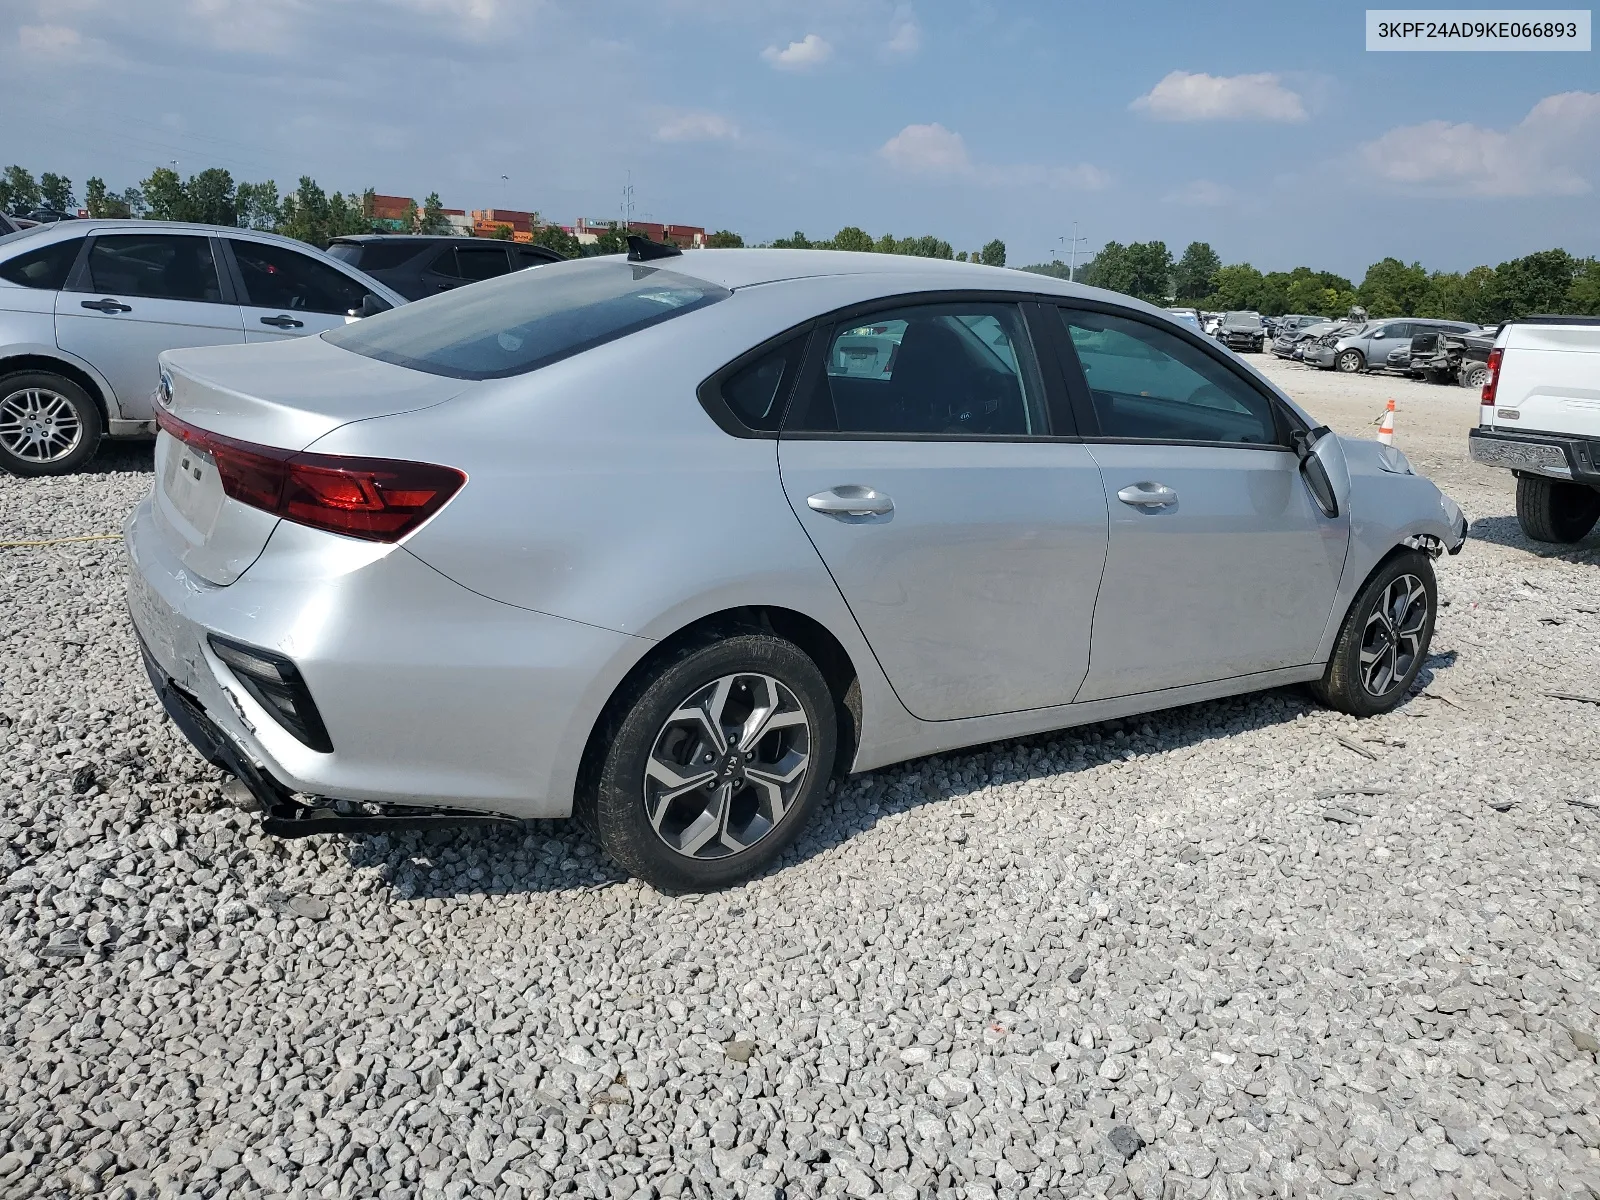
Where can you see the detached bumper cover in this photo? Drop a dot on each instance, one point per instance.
(1550, 454)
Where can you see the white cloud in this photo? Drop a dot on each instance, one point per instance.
(696, 127)
(933, 151)
(1206, 193)
(1544, 154)
(905, 38)
(1186, 96)
(927, 150)
(49, 41)
(804, 55)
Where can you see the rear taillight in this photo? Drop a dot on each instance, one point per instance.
(377, 499)
(1492, 384)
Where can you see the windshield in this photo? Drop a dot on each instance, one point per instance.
(526, 320)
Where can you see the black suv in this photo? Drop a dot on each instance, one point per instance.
(418, 266)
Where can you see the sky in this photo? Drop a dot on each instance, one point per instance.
(1266, 130)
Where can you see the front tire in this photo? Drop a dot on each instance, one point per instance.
(1551, 510)
(1384, 639)
(48, 424)
(716, 760)
(1350, 361)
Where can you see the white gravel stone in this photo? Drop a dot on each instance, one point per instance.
(1151, 937)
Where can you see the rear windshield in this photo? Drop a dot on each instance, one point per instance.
(1242, 320)
(377, 256)
(523, 321)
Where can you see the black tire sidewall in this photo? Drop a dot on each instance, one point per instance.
(618, 814)
(88, 413)
(1342, 689)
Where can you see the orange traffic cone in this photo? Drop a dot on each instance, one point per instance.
(1386, 429)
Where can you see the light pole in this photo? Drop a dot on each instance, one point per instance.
(1072, 243)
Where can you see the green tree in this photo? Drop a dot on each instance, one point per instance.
(212, 198)
(99, 202)
(56, 192)
(503, 233)
(1055, 270)
(798, 242)
(304, 213)
(724, 239)
(1583, 296)
(19, 191)
(433, 221)
(410, 216)
(257, 205)
(133, 200)
(1535, 283)
(165, 197)
(887, 244)
(993, 253)
(1237, 286)
(555, 238)
(1192, 277)
(852, 237)
(1392, 289)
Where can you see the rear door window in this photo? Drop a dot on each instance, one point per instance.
(516, 324)
(159, 266)
(481, 262)
(277, 277)
(951, 370)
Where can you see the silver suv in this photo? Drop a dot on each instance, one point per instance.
(1368, 347)
(86, 306)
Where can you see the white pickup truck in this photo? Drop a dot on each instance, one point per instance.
(1539, 416)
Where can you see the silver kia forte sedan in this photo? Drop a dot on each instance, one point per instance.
(666, 543)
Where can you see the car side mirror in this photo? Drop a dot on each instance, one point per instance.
(1310, 445)
(371, 306)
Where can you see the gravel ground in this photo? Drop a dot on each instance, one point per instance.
(1238, 949)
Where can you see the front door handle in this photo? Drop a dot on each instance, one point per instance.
(1148, 495)
(108, 305)
(283, 322)
(850, 500)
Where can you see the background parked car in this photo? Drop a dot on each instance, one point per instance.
(1445, 356)
(1368, 347)
(86, 306)
(417, 267)
(1293, 343)
(1242, 331)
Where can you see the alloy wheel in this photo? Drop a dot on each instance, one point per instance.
(39, 425)
(727, 765)
(1350, 361)
(1392, 638)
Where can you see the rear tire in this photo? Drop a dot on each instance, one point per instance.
(48, 424)
(1384, 640)
(1350, 361)
(684, 724)
(1474, 377)
(1551, 510)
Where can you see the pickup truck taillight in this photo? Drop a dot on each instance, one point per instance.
(1486, 401)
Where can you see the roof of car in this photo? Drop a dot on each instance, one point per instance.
(746, 268)
(83, 225)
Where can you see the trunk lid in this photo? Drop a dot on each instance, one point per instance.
(284, 395)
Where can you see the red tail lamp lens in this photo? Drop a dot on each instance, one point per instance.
(377, 499)
(1492, 384)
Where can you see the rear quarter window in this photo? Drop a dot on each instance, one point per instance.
(526, 320)
(47, 267)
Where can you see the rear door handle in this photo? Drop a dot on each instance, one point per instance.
(1148, 495)
(283, 322)
(850, 500)
(108, 305)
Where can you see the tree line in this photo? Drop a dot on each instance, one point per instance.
(1548, 281)
(851, 237)
(309, 213)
